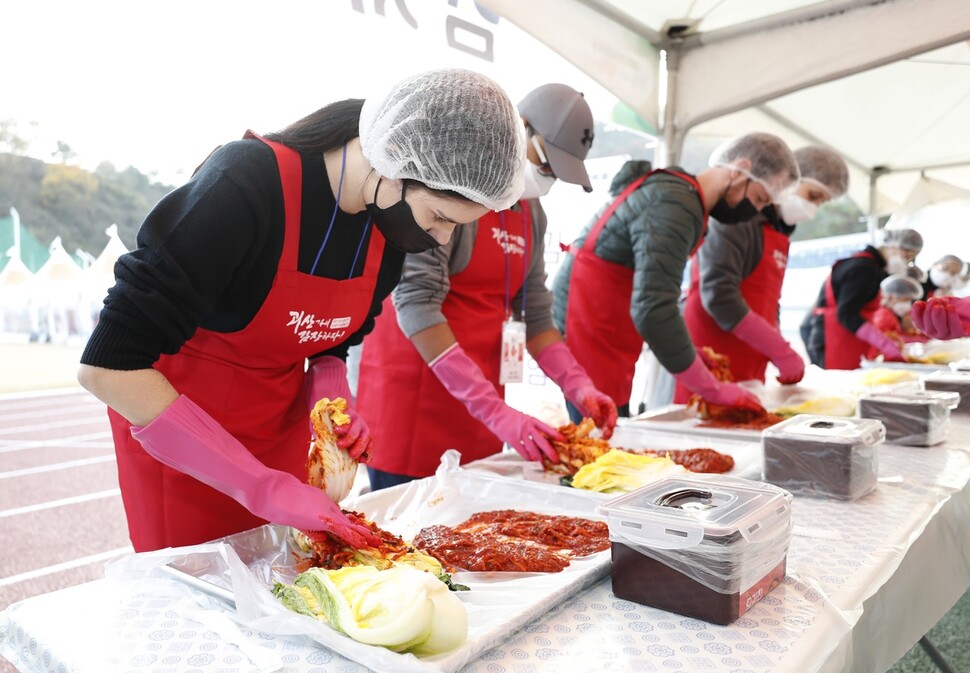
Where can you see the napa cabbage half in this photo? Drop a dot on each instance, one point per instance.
(400, 608)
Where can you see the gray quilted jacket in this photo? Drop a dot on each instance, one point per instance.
(653, 232)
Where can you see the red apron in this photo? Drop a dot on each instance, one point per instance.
(761, 290)
(412, 417)
(889, 323)
(843, 349)
(599, 330)
(251, 381)
(885, 321)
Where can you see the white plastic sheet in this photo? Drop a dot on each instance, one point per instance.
(498, 604)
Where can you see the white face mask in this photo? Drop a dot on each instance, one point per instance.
(896, 263)
(941, 278)
(901, 308)
(794, 209)
(536, 184)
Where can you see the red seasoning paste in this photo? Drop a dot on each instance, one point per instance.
(510, 540)
(697, 460)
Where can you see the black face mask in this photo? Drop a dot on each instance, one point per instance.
(742, 212)
(398, 226)
(726, 214)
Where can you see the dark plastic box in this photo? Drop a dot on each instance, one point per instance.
(957, 381)
(826, 456)
(704, 546)
(918, 418)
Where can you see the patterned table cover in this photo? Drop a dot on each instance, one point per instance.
(841, 555)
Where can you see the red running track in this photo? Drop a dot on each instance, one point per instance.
(61, 515)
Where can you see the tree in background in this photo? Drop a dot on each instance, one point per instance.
(59, 199)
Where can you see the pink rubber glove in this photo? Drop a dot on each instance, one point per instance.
(872, 336)
(560, 365)
(942, 317)
(327, 377)
(187, 439)
(465, 381)
(699, 379)
(757, 333)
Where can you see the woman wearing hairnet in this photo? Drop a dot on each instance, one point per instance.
(736, 277)
(431, 373)
(278, 250)
(947, 275)
(896, 296)
(619, 287)
(838, 331)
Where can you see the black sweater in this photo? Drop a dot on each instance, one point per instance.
(855, 282)
(208, 252)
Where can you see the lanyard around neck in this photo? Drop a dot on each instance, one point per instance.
(333, 218)
(508, 265)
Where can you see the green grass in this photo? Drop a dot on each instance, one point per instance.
(951, 636)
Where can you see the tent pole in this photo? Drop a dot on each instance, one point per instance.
(670, 143)
(872, 219)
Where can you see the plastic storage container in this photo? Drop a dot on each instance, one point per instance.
(957, 381)
(917, 418)
(825, 456)
(704, 546)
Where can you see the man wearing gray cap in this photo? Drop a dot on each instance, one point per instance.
(433, 370)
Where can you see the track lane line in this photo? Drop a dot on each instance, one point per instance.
(66, 565)
(53, 467)
(63, 502)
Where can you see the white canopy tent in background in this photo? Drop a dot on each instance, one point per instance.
(15, 297)
(57, 292)
(16, 279)
(884, 82)
(99, 276)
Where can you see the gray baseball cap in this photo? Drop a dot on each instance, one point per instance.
(562, 117)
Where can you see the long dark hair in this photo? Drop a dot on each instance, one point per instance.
(334, 126)
(328, 128)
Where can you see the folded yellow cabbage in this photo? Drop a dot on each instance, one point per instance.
(825, 406)
(618, 471)
(882, 376)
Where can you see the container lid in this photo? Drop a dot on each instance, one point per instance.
(962, 365)
(678, 511)
(944, 376)
(834, 429)
(944, 399)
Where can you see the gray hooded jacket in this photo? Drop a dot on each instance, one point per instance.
(653, 232)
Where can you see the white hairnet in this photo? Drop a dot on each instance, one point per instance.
(905, 239)
(772, 162)
(448, 129)
(901, 285)
(952, 260)
(916, 273)
(825, 168)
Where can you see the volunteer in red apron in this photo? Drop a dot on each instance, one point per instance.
(838, 331)
(736, 277)
(620, 285)
(897, 294)
(432, 373)
(947, 275)
(279, 250)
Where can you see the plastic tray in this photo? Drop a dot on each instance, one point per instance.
(678, 418)
(498, 604)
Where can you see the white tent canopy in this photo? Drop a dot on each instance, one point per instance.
(884, 82)
(58, 290)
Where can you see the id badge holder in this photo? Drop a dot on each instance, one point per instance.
(513, 352)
